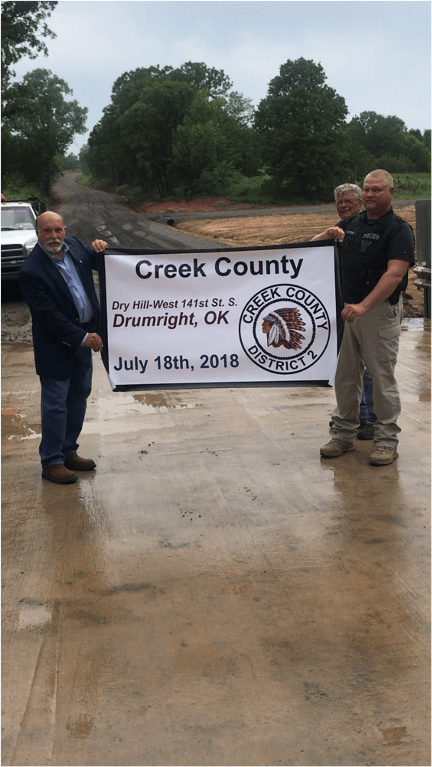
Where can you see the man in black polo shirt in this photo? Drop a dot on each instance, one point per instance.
(377, 251)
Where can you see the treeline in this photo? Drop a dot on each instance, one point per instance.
(39, 121)
(185, 131)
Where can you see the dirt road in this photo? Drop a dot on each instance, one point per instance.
(90, 213)
(270, 229)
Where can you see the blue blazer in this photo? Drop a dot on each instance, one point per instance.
(57, 334)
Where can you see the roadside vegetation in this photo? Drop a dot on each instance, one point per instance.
(254, 191)
(181, 133)
(411, 186)
(173, 134)
(408, 186)
(39, 119)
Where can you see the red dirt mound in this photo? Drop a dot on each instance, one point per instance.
(196, 204)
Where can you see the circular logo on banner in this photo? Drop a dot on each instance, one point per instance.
(284, 329)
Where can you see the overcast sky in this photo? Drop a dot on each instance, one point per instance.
(375, 54)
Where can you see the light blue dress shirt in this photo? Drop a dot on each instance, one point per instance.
(70, 275)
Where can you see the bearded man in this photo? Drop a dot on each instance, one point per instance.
(57, 282)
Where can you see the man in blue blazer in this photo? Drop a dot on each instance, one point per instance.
(57, 282)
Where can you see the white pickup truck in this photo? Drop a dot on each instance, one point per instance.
(18, 233)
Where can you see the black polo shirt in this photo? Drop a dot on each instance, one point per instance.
(368, 246)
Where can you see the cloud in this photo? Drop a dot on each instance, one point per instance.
(375, 55)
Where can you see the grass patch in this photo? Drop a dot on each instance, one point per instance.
(17, 190)
(408, 186)
(86, 179)
(412, 186)
(133, 193)
(255, 190)
(252, 190)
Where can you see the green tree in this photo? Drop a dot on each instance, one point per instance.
(239, 107)
(22, 27)
(211, 147)
(413, 156)
(207, 147)
(127, 88)
(107, 158)
(37, 112)
(300, 123)
(148, 130)
(417, 151)
(134, 140)
(70, 162)
(354, 161)
(11, 154)
(417, 133)
(199, 75)
(83, 159)
(110, 156)
(113, 150)
(425, 137)
(377, 133)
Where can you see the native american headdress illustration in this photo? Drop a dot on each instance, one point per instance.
(285, 327)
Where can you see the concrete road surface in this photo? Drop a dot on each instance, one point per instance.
(214, 593)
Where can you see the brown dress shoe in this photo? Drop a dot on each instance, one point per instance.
(59, 474)
(73, 461)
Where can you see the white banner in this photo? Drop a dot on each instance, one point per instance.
(226, 317)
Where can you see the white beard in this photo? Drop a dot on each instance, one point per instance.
(54, 247)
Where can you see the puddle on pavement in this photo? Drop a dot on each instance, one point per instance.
(14, 425)
(143, 403)
(416, 323)
(425, 394)
(123, 412)
(393, 735)
(161, 402)
(81, 727)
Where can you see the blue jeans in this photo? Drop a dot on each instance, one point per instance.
(367, 414)
(63, 407)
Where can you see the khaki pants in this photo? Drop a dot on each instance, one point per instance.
(371, 341)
